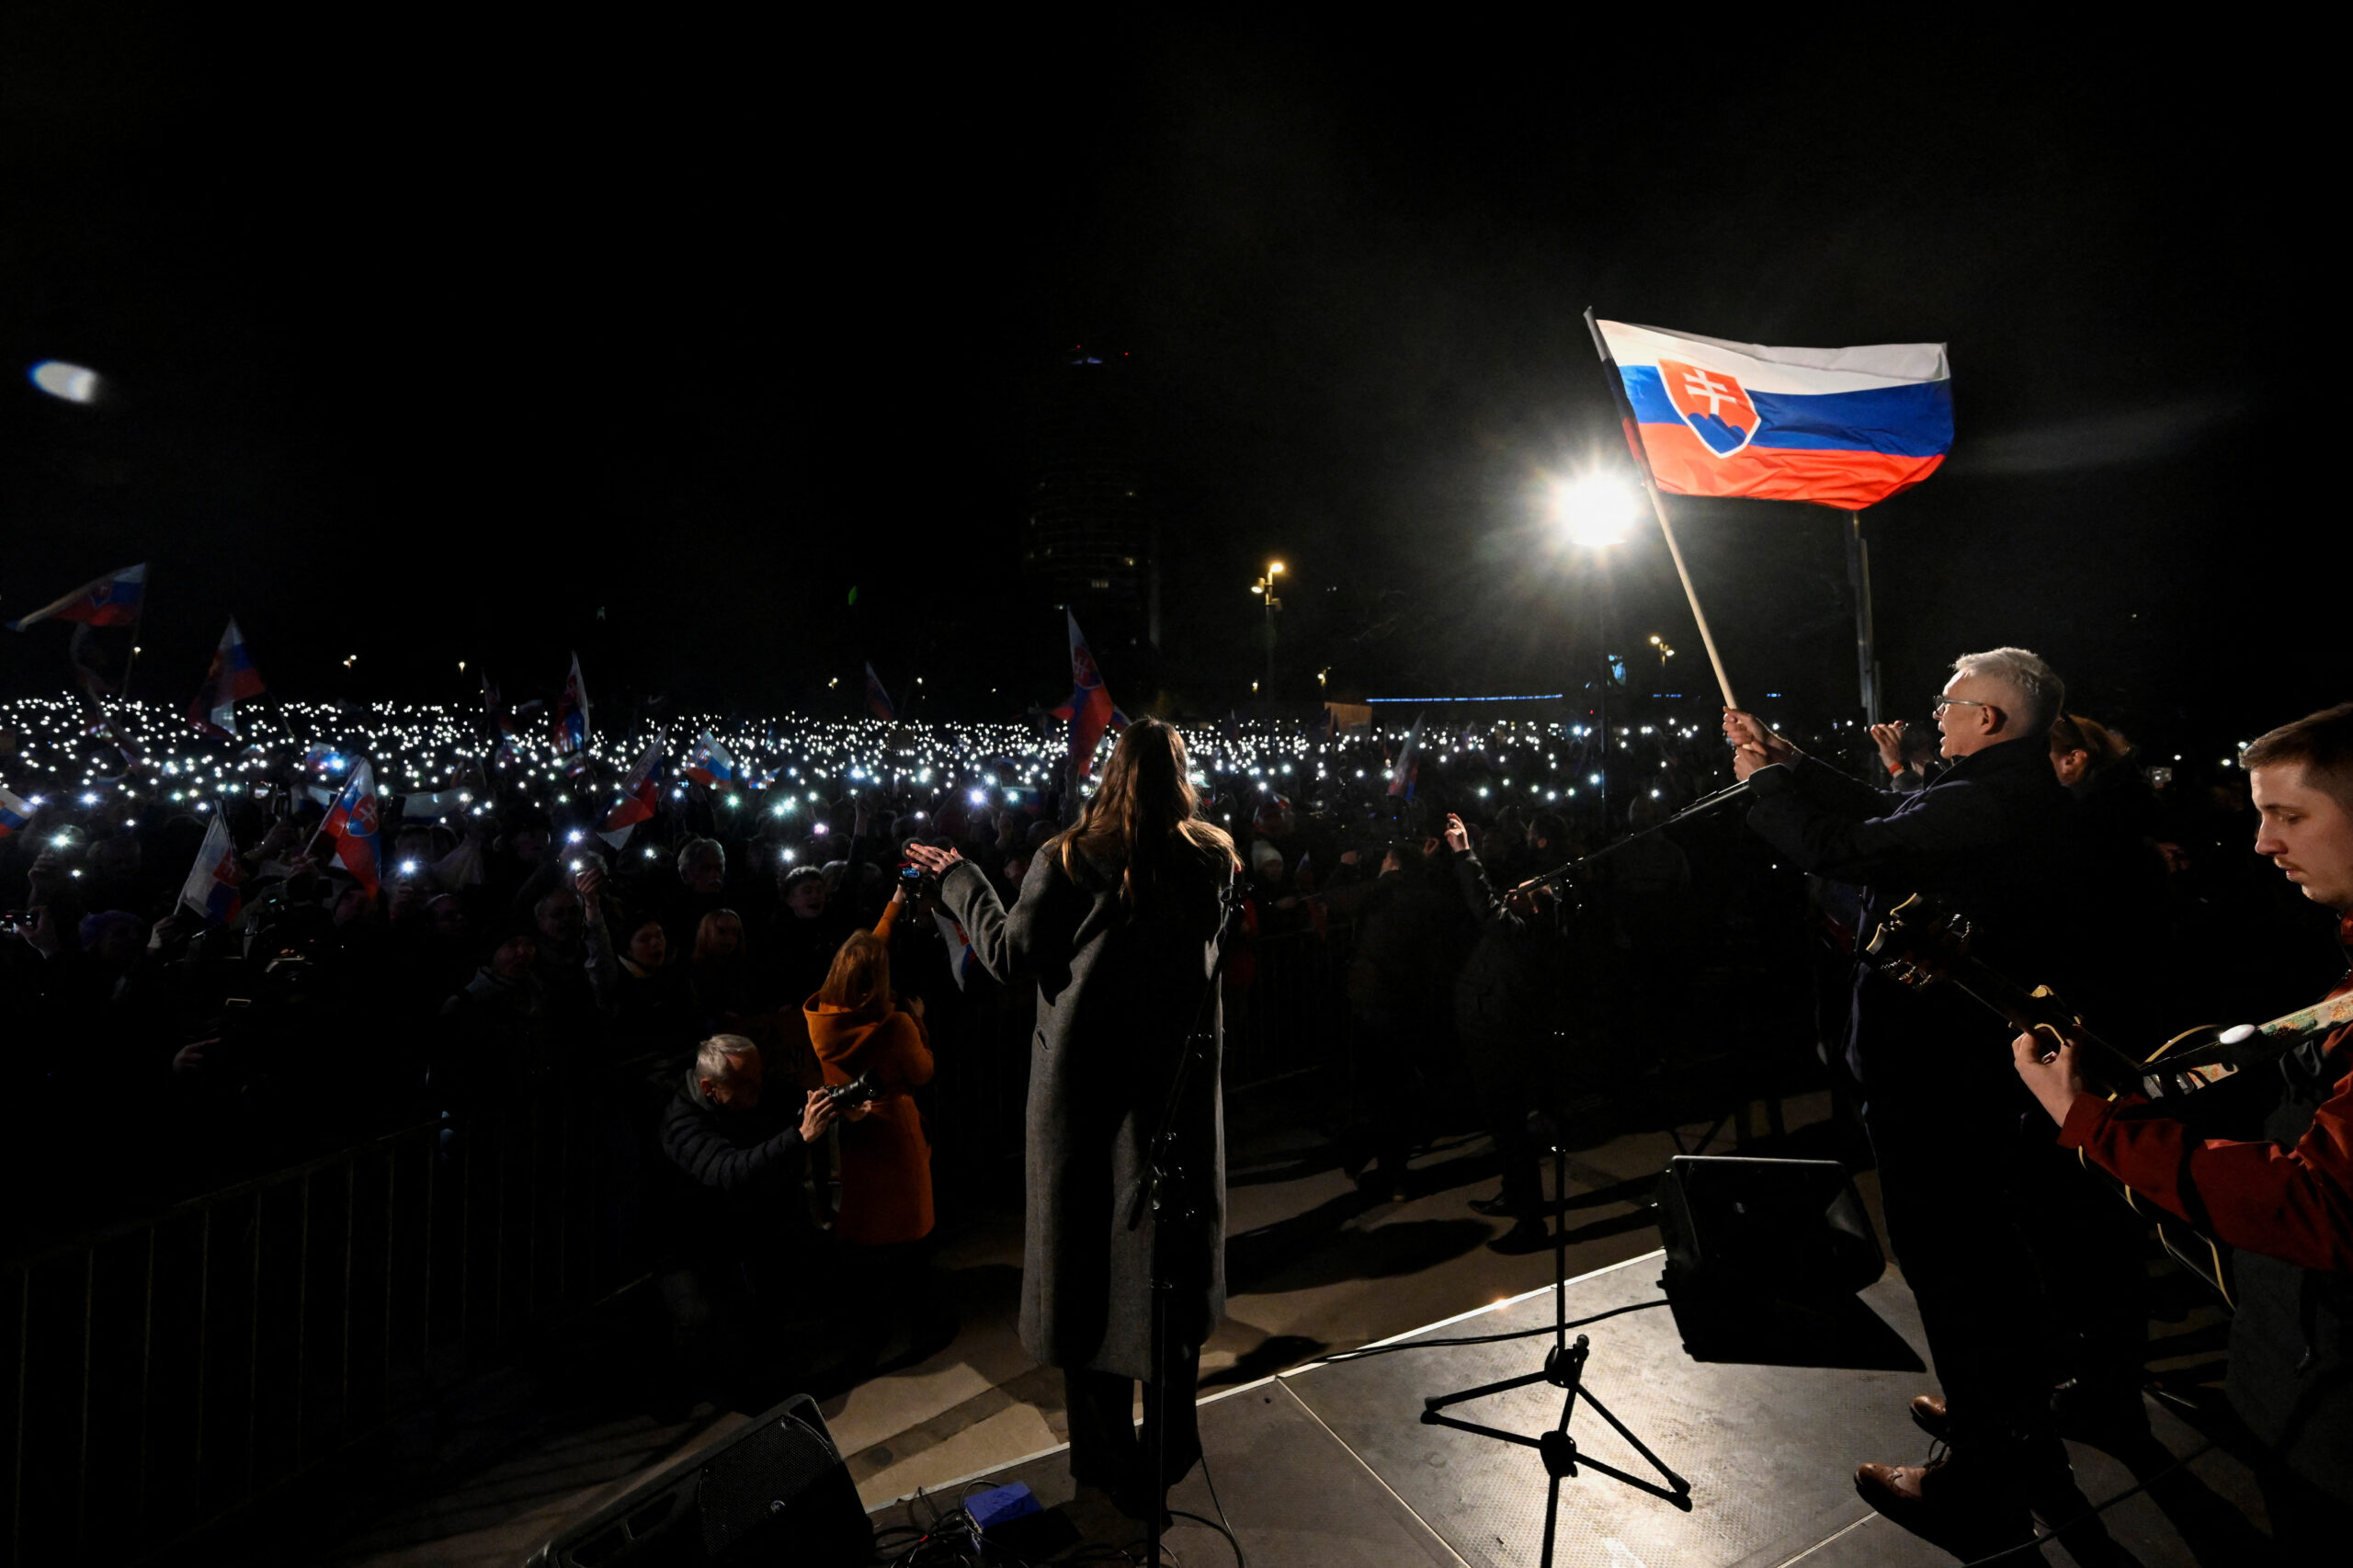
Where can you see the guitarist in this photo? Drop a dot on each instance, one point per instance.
(2286, 1203)
(1995, 836)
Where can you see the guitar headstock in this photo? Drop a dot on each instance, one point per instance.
(1918, 943)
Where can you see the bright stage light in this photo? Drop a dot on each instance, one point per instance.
(74, 383)
(1596, 512)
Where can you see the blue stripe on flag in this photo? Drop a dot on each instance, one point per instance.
(1912, 420)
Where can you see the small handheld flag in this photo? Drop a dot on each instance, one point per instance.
(639, 796)
(229, 679)
(216, 885)
(111, 600)
(959, 946)
(14, 812)
(1408, 771)
(709, 763)
(1091, 709)
(571, 714)
(877, 699)
(356, 824)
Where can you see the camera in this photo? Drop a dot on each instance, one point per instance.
(912, 877)
(860, 1090)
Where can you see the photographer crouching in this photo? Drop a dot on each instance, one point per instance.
(746, 1287)
(1118, 919)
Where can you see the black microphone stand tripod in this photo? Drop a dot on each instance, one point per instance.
(1174, 1203)
(1564, 1363)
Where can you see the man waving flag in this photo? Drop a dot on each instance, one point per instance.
(229, 679)
(1091, 709)
(1848, 428)
(356, 824)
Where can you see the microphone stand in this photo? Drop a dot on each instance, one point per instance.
(1173, 1203)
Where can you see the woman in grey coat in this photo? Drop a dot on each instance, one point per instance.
(1118, 920)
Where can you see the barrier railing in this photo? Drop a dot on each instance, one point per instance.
(170, 1371)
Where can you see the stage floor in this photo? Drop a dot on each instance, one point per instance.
(1331, 1466)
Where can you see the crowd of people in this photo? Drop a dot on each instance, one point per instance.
(761, 974)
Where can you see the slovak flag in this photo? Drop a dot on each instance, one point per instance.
(1408, 771)
(877, 699)
(711, 763)
(1848, 428)
(1091, 709)
(231, 679)
(216, 887)
(355, 822)
(571, 714)
(959, 946)
(639, 796)
(112, 600)
(14, 812)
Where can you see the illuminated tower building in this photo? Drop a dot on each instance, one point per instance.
(1088, 539)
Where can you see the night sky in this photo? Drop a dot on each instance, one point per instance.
(655, 339)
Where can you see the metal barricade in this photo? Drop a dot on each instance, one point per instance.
(170, 1371)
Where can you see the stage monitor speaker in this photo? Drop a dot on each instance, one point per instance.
(777, 1492)
(1789, 1228)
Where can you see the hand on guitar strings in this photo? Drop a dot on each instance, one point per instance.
(2049, 1071)
(1754, 746)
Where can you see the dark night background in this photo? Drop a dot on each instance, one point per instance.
(430, 342)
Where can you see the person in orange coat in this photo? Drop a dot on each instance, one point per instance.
(857, 1027)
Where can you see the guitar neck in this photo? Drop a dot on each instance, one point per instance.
(2028, 1011)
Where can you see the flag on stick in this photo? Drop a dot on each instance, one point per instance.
(355, 822)
(1848, 428)
(216, 885)
(640, 795)
(110, 600)
(878, 698)
(711, 763)
(1408, 771)
(1091, 709)
(571, 714)
(229, 679)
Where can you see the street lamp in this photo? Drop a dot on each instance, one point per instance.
(1664, 654)
(1265, 588)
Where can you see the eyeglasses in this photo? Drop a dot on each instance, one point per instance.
(1944, 703)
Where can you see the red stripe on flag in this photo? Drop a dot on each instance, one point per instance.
(1683, 466)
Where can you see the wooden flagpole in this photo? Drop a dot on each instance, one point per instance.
(1658, 505)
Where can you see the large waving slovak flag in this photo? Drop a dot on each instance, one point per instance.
(571, 714)
(229, 679)
(640, 795)
(111, 600)
(356, 822)
(1091, 709)
(216, 886)
(709, 763)
(1848, 428)
(14, 812)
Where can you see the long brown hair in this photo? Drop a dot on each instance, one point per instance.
(1142, 816)
(859, 978)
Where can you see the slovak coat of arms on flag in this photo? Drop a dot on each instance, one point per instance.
(1712, 402)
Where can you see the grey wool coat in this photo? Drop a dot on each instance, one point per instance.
(1117, 994)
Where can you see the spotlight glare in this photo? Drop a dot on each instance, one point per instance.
(1595, 511)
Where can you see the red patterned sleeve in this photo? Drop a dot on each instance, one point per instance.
(2293, 1204)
